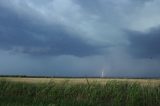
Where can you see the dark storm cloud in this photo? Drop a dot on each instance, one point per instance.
(19, 34)
(145, 44)
(80, 37)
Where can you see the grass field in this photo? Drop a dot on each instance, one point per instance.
(79, 92)
(150, 82)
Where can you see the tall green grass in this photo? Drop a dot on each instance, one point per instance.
(112, 93)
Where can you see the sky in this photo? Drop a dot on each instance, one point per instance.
(80, 37)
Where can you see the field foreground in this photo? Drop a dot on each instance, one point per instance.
(150, 82)
(79, 92)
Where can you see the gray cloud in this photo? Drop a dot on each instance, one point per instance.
(79, 37)
(145, 44)
(18, 34)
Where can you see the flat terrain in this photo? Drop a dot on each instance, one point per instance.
(151, 82)
(15, 91)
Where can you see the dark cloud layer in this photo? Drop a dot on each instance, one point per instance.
(80, 37)
(145, 44)
(19, 34)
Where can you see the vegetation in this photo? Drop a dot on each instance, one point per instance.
(113, 93)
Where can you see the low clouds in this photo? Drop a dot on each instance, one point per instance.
(20, 35)
(145, 44)
(78, 37)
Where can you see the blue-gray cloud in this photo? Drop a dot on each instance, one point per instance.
(79, 37)
(145, 44)
(18, 34)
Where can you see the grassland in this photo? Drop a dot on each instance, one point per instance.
(79, 92)
(150, 82)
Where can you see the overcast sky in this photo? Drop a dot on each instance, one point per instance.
(80, 37)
